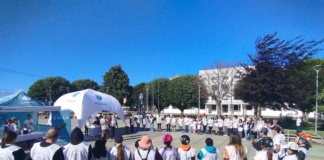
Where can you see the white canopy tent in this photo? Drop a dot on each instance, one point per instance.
(86, 102)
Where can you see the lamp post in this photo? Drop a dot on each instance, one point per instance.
(68, 89)
(107, 89)
(199, 100)
(50, 95)
(316, 68)
(147, 98)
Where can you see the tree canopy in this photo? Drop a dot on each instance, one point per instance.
(82, 84)
(116, 83)
(50, 88)
(268, 80)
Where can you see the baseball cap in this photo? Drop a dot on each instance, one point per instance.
(291, 145)
(276, 128)
(268, 121)
(167, 138)
(118, 139)
(264, 131)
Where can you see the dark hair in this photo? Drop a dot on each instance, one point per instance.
(269, 154)
(52, 135)
(235, 139)
(136, 143)
(120, 152)
(168, 144)
(9, 136)
(99, 150)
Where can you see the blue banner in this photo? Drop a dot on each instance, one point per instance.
(58, 119)
(3, 118)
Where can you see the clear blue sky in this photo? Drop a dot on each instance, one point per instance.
(150, 39)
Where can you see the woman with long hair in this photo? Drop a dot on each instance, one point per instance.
(8, 150)
(99, 151)
(266, 152)
(119, 151)
(235, 150)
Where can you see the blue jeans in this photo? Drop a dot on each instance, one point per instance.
(186, 128)
(144, 126)
(299, 129)
(190, 129)
(138, 127)
(245, 134)
(152, 127)
(235, 130)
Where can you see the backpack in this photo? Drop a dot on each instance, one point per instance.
(300, 154)
(148, 152)
(207, 155)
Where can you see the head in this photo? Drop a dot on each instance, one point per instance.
(260, 118)
(235, 139)
(240, 120)
(209, 142)
(120, 148)
(99, 149)
(185, 139)
(275, 122)
(291, 148)
(51, 135)
(268, 123)
(251, 119)
(104, 116)
(118, 139)
(276, 130)
(301, 141)
(9, 122)
(29, 116)
(235, 116)
(8, 137)
(145, 142)
(167, 139)
(264, 132)
(76, 136)
(15, 120)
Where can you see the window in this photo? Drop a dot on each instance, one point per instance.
(248, 107)
(224, 108)
(237, 108)
(214, 107)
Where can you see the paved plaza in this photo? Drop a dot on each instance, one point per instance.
(196, 141)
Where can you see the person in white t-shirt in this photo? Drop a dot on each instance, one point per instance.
(235, 150)
(120, 151)
(216, 125)
(225, 125)
(220, 125)
(292, 151)
(194, 126)
(186, 152)
(298, 123)
(278, 142)
(235, 124)
(168, 151)
(29, 123)
(168, 123)
(144, 149)
(210, 124)
(158, 122)
(229, 126)
(186, 123)
(180, 122)
(199, 124)
(173, 123)
(104, 126)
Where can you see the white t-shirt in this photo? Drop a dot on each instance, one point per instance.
(186, 121)
(169, 153)
(290, 157)
(220, 122)
(143, 154)
(234, 123)
(104, 124)
(180, 121)
(279, 139)
(261, 155)
(298, 121)
(158, 119)
(167, 120)
(194, 124)
(29, 124)
(113, 152)
(186, 155)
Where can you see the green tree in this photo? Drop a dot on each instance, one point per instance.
(50, 88)
(116, 82)
(159, 92)
(140, 88)
(82, 84)
(268, 83)
(183, 92)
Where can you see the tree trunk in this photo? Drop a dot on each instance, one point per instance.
(218, 106)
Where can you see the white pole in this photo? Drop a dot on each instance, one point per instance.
(317, 68)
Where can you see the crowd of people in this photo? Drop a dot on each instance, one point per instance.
(13, 125)
(267, 138)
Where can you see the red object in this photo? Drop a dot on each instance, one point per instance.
(305, 135)
(203, 115)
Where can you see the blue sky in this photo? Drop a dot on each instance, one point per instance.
(150, 39)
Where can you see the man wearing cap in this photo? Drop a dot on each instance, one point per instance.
(292, 150)
(208, 152)
(266, 152)
(278, 142)
(257, 143)
(168, 151)
(144, 150)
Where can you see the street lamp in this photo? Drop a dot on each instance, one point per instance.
(316, 68)
(199, 100)
(147, 87)
(68, 89)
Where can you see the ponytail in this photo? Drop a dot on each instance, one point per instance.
(269, 154)
(9, 136)
(120, 152)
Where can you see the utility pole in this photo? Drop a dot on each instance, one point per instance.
(316, 68)
(158, 96)
(199, 100)
(147, 98)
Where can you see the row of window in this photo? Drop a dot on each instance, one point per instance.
(225, 108)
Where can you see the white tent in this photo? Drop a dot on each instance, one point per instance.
(86, 102)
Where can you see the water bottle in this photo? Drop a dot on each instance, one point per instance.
(21, 132)
(29, 131)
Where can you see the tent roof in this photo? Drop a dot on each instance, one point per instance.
(21, 101)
